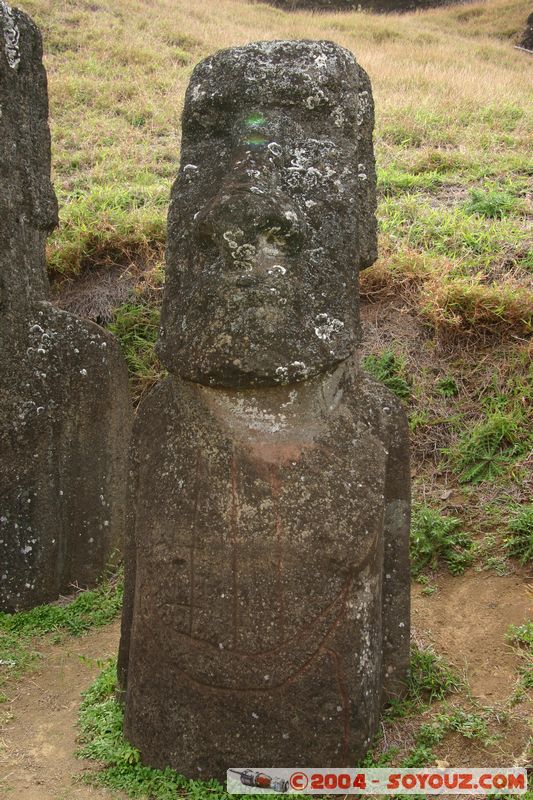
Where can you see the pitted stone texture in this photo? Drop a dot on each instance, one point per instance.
(28, 207)
(272, 215)
(266, 612)
(271, 610)
(64, 429)
(64, 402)
(377, 6)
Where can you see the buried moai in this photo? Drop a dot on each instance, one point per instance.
(267, 580)
(376, 6)
(526, 42)
(65, 408)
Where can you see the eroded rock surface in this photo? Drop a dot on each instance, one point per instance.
(267, 581)
(527, 39)
(64, 401)
(377, 6)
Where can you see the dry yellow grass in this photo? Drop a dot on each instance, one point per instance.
(110, 59)
(453, 109)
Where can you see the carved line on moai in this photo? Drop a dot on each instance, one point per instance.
(336, 609)
(11, 35)
(322, 648)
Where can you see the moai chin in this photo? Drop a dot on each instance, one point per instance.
(267, 586)
(64, 402)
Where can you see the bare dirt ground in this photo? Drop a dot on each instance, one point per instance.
(466, 620)
(38, 740)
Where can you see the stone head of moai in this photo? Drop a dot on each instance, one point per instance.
(28, 206)
(272, 215)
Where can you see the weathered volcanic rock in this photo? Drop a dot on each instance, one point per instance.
(527, 39)
(272, 215)
(64, 401)
(377, 6)
(267, 580)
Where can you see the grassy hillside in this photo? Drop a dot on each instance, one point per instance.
(452, 104)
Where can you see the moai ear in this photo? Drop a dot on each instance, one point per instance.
(25, 148)
(366, 168)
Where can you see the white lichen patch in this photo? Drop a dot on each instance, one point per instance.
(338, 117)
(364, 105)
(257, 419)
(11, 35)
(327, 327)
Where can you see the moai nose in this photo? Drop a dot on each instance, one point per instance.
(242, 220)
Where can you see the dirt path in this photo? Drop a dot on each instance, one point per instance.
(38, 744)
(466, 620)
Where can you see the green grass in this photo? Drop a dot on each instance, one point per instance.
(471, 242)
(490, 447)
(521, 638)
(436, 538)
(108, 224)
(392, 180)
(390, 370)
(19, 631)
(447, 387)
(431, 681)
(519, 543)
(493, 203)
(430, 678)
(136, 325)
(469, 724)
(521, 634)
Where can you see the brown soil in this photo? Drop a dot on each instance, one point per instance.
(466, 620)
(38, 741)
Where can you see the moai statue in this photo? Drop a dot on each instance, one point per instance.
(527, 39)
(64, 402)
(376, 6)
(267, 599)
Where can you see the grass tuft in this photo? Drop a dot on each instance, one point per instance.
(389, 369)
(436, 538)
(521, 637)
(520, 543)
(492, 204)
(469, 305)
(489, 448)
(136, 325)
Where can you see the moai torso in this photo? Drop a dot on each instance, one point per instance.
(266, 611)
(65, 409)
